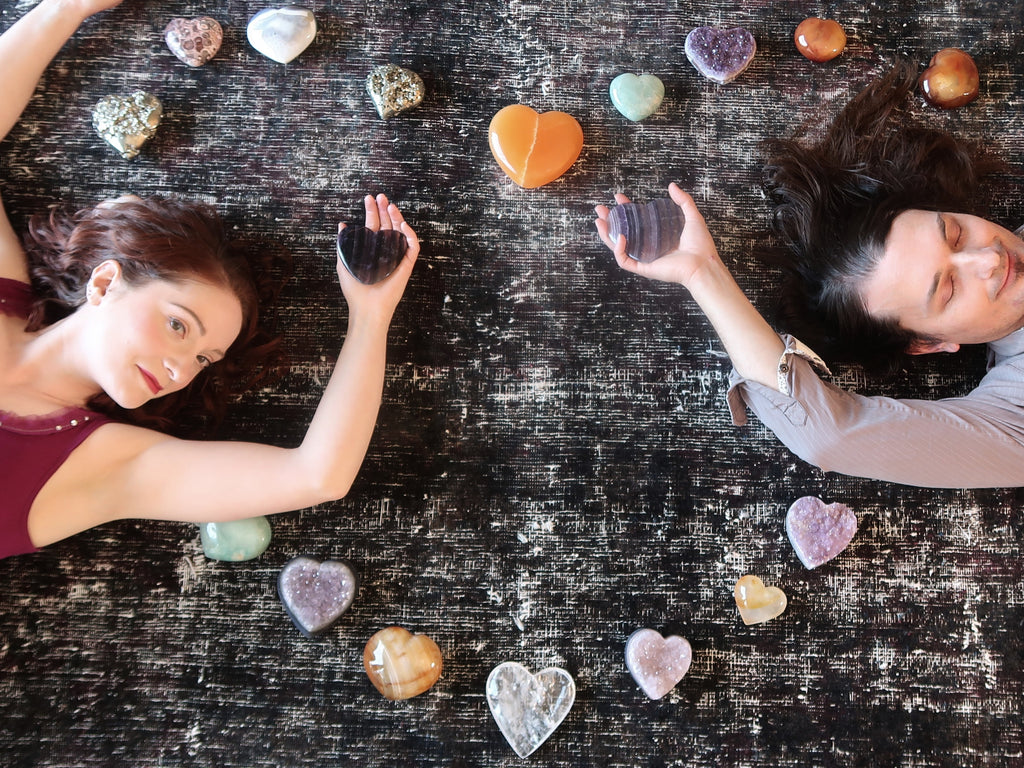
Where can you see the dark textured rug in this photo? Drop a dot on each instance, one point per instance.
(554, 465)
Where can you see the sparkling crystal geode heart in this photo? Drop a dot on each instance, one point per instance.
(394, 89)
(371, 256)
(127, 122)
(194, 41)
(819, 531)
(282, 33)
(657, 663)
(527, 707)
(720, 54)
(315, 594)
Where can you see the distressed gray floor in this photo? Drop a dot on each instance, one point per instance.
(554, 465)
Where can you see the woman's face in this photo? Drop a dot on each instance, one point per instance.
(151, 339)
(956, 278)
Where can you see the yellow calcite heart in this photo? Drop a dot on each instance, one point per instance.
(756, 602)
(400, 664)
(534, 148)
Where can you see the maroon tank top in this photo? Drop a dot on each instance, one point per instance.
(32, 448)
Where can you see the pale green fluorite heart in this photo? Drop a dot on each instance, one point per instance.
(235, 540)
(637, 97)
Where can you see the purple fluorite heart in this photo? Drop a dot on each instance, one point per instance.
(720, 54)
(371, 256)
(315, 593)
(819, 531)
(651, 230)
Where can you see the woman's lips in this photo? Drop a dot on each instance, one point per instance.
(151, 382)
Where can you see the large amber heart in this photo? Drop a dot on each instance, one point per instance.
(534, 149)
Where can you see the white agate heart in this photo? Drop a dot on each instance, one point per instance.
(282, 33)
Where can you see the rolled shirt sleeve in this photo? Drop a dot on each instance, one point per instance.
(975, 441)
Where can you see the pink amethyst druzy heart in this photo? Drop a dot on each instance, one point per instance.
(819, 531)
(720, 54)
(657, 663)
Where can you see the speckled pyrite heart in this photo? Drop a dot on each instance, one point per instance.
(819, 531)
(400, 664)
(235, 540)
(315, 594)
(194, 41)
(371, 256)
(756, 602)
(657, 663)
(636, 97)
(282, 33)
(720, 54)
(527, 707)
(534, 149)
(394, 89)
(127, 122)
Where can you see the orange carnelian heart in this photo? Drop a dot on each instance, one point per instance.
(533, 148)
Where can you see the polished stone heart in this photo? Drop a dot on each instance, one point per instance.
(315, 594)
(951, 79)
(394, 89)
(400, 664)
(819, 531)
(371, 256)
(194, 41)
(127, 122)
(720, 54)
(636, 97)
(527, 707)
(534, 149)
(282, 33)
(657, 663)
(651, 230)
(756, 602)
(235, 540)
(819, 40)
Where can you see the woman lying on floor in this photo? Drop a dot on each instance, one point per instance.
(883, 256)
(140, 303)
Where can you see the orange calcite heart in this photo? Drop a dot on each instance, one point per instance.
(756, 602)
(534, 149)
(400, 664)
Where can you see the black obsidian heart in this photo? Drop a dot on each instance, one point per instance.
(370, 256)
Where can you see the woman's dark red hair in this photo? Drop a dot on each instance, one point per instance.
(159, 238)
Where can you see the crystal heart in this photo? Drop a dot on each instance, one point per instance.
(282, 33)
(534, 149)
(371, 256)
(315, 594)
(657, 663)
(819, 531)
(194, 41)
(819, 39)
(756, 602)
(400, 664)
(720, 54)
(127, 122)
(235, 540)
(636, 97)
(527, 707)
(394, 89)
(951, 79)
(651, 230)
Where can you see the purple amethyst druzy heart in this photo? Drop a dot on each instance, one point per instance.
(315, 594)
(720, 54)
(371, 256)
(819, 531)
(651, 230)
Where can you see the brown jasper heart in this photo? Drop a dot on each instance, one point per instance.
(951, 79)
(400, 664)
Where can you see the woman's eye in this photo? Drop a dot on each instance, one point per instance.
(204, 361)
(176, 325)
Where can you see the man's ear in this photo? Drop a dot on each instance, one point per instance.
(921, 347)
(106, 275)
